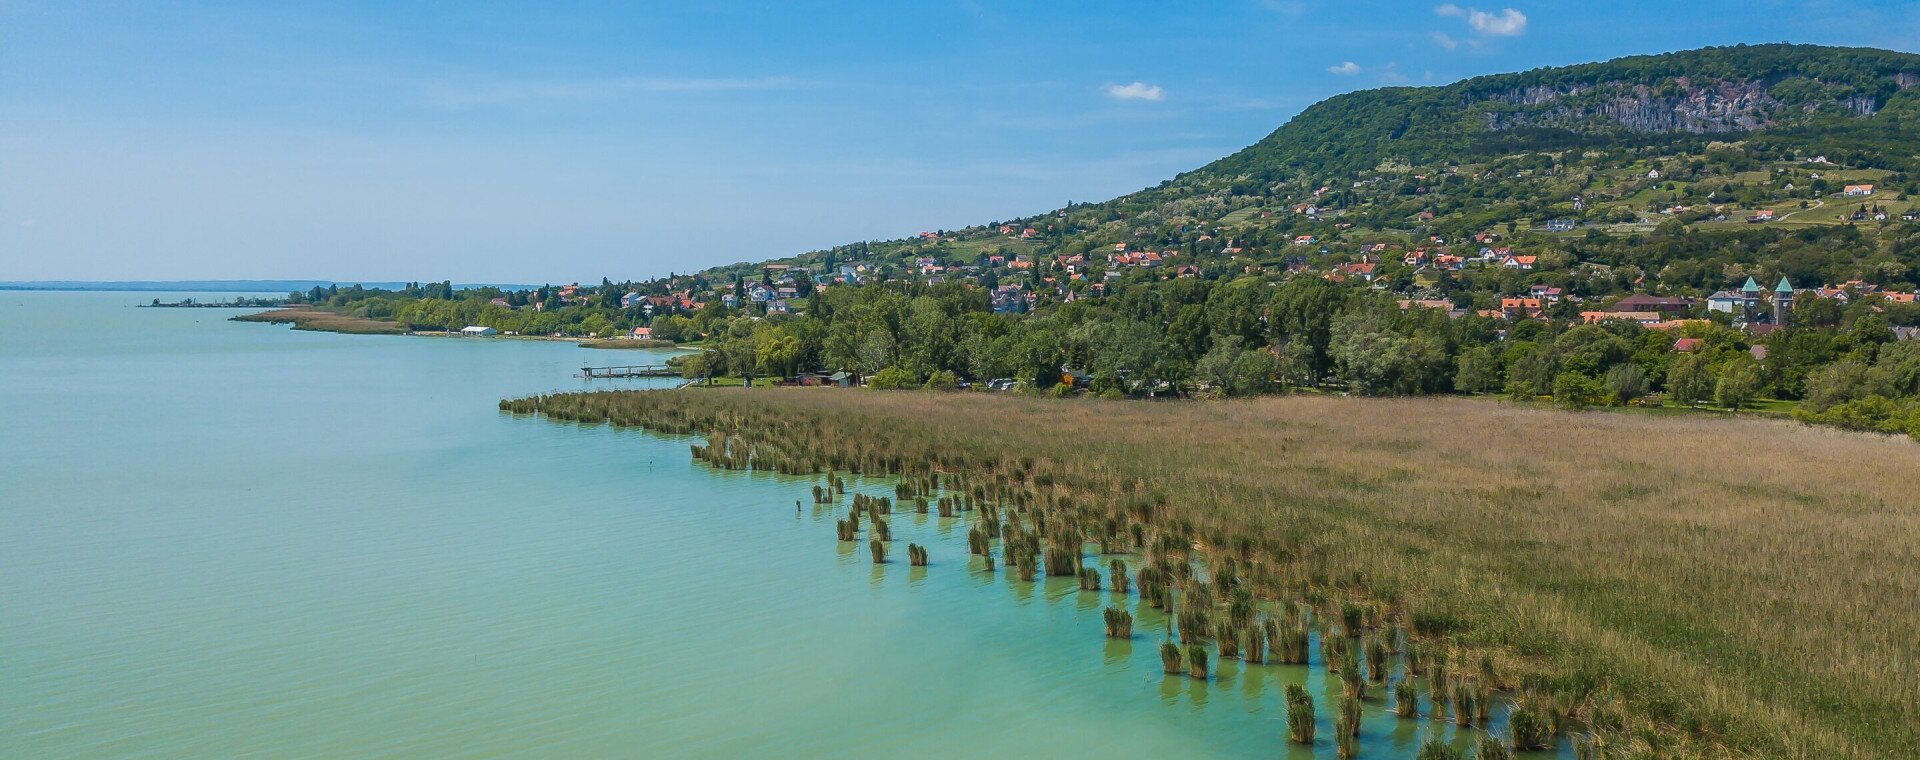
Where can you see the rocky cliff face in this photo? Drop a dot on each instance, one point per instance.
(1684, 106)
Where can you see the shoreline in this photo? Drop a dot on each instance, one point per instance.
(320, 320)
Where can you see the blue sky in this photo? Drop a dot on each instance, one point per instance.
(559, 141)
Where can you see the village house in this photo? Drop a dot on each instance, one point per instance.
(641, 333)
(1686, 345)
(1546, 293)
(1520, 308)
(1858, 191)
(1643, 318)
(1522, 263)
(1728, 301)
(1644, 302)
(1360, 269)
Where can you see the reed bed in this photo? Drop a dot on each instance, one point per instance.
(1696, 585)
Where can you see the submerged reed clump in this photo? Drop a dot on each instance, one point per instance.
(1490, 747)
(879, 551)
(1346, 728)
(1255, 644)
(1462, 703)
(1062, 558)
(1406, 704)
(1291, 644)
(848, 529)
(1197, 661)
(1435, 748)
(1299, 714)
(1089, 579)
(1024, 565)
(978, 543)
(1229, 640)
(1530, 729)
(1117, 575)
(1376, 658)
(1193, 623)
(881, 531)
(1170, 658)
(916, 555)
(1119, 623)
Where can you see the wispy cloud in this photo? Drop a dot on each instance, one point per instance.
(1507, 22)
(516, 91)
(1445, 42)
(1348, 68)
(1136, 91)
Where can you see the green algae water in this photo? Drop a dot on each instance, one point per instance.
(221, 539)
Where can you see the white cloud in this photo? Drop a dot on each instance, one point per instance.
(1507, 22)
(1445, 42)
(1136, 91)
(1348, 68)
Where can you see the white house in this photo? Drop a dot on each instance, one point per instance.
(477, 331)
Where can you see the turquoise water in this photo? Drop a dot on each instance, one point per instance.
(223, 539)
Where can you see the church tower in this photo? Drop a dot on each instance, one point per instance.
(1782, 302)
(1749, 299)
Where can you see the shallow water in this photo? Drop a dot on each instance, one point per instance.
(222, 539)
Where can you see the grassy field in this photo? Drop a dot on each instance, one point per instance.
(1693, 585)
(323, 321)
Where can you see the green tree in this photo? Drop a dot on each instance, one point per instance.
(1478, 370)
(1576, 390)
(1690, 380)
(1739, 381)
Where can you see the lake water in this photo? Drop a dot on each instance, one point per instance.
(222, 539)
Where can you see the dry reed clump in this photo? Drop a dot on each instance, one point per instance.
(1119, 623)
(1669, 576)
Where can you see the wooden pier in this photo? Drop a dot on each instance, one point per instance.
(631, 370)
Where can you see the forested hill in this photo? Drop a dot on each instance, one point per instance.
(1678, 100)
(1563, 142)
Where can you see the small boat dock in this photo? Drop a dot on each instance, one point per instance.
(631, 370)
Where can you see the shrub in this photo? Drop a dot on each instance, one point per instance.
(943, 380)
(892, 379)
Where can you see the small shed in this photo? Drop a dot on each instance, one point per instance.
(477, 331)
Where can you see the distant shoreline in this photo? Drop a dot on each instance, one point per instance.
(320, 320)
(281, 287)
